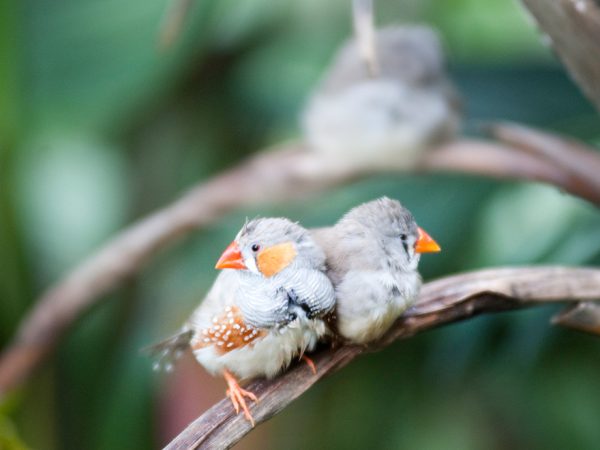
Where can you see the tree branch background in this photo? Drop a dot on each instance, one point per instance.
(85, 152)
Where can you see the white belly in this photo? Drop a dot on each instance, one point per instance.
(264, 357)
(366, 307)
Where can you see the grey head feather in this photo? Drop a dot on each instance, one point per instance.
(384, 216)
(377, 235)
(270, 231)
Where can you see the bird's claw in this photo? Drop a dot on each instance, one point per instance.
(310, 363)
(236, 394)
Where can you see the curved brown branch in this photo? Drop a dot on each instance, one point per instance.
(443, 301)
(495, 160)
(581, 161)
(524, 153)
(272, 176)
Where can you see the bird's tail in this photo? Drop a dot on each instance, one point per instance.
(166, 352)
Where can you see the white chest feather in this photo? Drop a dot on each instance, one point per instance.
(368, 302)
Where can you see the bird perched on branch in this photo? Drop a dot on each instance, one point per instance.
(372, 258)
(267, 307)
(388, 118)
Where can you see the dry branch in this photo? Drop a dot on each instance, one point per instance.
(278, 175)
(500, 161)
(443, 301)
(581, 161)
(573, 27)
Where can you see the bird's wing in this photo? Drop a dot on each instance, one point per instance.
(222, 292)
(167, 351)
(311, 290)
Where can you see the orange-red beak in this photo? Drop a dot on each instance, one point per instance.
(426, 244)
(231, 258)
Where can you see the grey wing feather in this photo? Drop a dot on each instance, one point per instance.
(168, 351)
(313, 289)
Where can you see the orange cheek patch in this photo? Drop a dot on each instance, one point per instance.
(276, 258)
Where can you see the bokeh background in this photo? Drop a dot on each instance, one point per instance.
(99, 128)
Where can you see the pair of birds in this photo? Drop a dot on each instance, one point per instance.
(284, 288)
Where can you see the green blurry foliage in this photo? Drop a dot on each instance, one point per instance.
(9, 439)
(71, 187)
(488, 32)
(9, 436)
(511, 226)
(98, 128)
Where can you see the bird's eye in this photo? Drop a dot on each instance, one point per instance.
(255, 247)
(403, 237)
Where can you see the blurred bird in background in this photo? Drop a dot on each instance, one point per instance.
(383, 114)
(372, 258)
(267, 307)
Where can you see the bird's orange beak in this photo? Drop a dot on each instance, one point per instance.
(231, 258)
(425, 243)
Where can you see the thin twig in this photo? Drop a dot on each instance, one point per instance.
(364, 32)
(443, 301)
(278, 175)
(172, 22)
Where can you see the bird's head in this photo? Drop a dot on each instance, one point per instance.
(396, 231)
(267, 246)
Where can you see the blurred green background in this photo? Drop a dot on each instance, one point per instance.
(99, 128)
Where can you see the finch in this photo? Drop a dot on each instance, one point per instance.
(266, 307)
(372, 256)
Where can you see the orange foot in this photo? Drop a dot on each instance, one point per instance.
(310, 363)
(236, 394)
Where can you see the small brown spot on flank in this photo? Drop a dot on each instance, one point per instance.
(229, 332)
